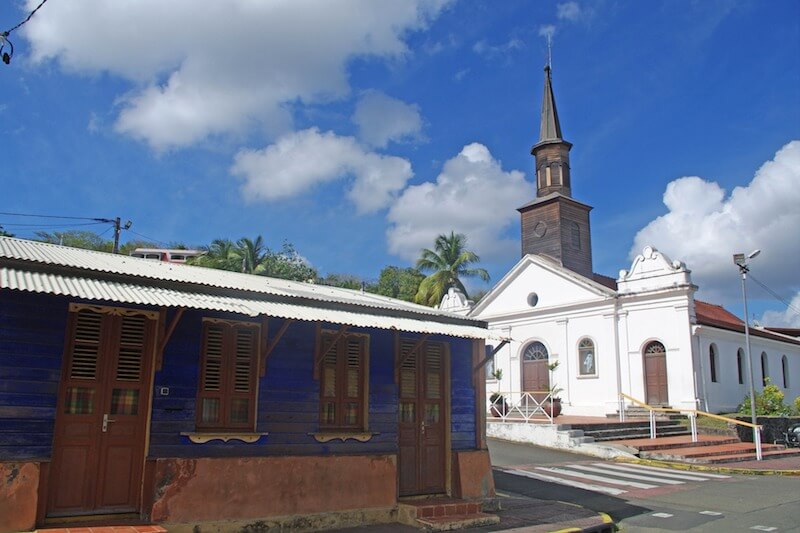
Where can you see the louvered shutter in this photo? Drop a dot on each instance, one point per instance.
(342, 374)
(228, 380)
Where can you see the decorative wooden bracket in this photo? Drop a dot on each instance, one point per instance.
(268, 348)
(166, 334)
(402, 358)
(490, 356)
(320, 355)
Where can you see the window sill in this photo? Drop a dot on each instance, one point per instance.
(327, 436)
(203, 437)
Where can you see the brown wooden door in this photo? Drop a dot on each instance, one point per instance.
(535, 373)
(655, 371)
(98, 448)
(422, 424)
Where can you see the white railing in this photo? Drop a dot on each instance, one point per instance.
(692, 414)
(521, 406)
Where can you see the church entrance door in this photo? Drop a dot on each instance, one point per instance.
(655, 372)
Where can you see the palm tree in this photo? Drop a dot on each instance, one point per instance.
(449, 261)
(221, 254)
(253, 254)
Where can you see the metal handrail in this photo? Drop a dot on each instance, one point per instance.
(525, 408)
(693, 414)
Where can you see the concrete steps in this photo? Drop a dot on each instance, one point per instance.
(613, 431)
(707, 450)
(443, 514)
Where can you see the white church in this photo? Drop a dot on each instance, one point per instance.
(643, 334)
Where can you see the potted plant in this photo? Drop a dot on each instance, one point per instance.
(553, 404)
(499, 405)
(498, 374)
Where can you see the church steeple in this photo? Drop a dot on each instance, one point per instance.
(552, 151)
(555, 224)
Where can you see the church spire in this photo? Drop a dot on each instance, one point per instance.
(552, 151)
(551, 127)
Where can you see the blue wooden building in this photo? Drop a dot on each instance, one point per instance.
(182, 395)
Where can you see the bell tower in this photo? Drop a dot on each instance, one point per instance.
(554, 223)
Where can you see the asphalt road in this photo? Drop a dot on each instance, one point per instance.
(649, 500)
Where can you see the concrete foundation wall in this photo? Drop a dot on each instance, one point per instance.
(197, 490)
(19, 483)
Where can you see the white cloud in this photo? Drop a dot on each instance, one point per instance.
(789, 318)
(472, 195)
(485, 49)
(570, 11)
(300, 160)
(704, 228)
(381, 118)
(208, 68)
(547, 30)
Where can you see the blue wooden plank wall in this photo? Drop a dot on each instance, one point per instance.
(31, 346)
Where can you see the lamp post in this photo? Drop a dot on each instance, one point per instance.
(741, 261)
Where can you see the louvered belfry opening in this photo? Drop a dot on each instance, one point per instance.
(229, 370)
(342, 386)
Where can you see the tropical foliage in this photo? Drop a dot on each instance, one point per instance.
(449, 262)
(769, 402)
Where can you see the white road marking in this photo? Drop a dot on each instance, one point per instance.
(673, 472)
(764, 528)
(711, 513)
(604, 469)
(658, 474)
(562, 481)
(662, 515)
(590, 477)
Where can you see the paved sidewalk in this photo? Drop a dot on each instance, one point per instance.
(520, 514)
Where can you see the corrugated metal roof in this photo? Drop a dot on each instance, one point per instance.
(131, 293)
(52, 254)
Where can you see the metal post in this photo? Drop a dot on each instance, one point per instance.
(621, 409)
(693, 424)
(652, 424)
(757, 440)
(116, 235)
(753, 416)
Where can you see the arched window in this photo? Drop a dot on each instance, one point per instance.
(575, 234)
(587, 358)
(739, 359)
(785, 365)
(712, 362)
(535, 351)
(655, 348)
(764, 369)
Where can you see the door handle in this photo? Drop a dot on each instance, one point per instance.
(423, 427)
(106, 420)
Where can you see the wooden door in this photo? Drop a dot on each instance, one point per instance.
(655, 371)
(104, 396)
(422, 424)
(535, 372)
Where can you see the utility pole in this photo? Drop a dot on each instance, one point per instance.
(118, 227)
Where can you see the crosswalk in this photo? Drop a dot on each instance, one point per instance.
(613, 479)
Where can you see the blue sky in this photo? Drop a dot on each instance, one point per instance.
(360, 130)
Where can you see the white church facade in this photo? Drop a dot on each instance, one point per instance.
(643, 334)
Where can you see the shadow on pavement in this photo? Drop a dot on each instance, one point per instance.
(617, 508)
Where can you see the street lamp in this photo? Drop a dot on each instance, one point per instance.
(741, 261)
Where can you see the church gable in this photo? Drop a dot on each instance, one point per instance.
(538, 282)
(652, 270)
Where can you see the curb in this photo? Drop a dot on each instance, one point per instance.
(709, 468)
(607, 525)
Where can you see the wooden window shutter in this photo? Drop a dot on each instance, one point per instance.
(85, 344)
(342, 384)
(228, 376)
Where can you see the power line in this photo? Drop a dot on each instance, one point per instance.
(4, 40)
(775, 295)
(46, 216)
(55, 226)
(149, 238)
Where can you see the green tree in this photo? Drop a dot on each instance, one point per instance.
(253, 254)
(4, 233)
(449, 261)
(128, 247)
(288, 264)
(396, 282)
(769, 402)
(88, 240)
(221, 254)
(343, 281)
